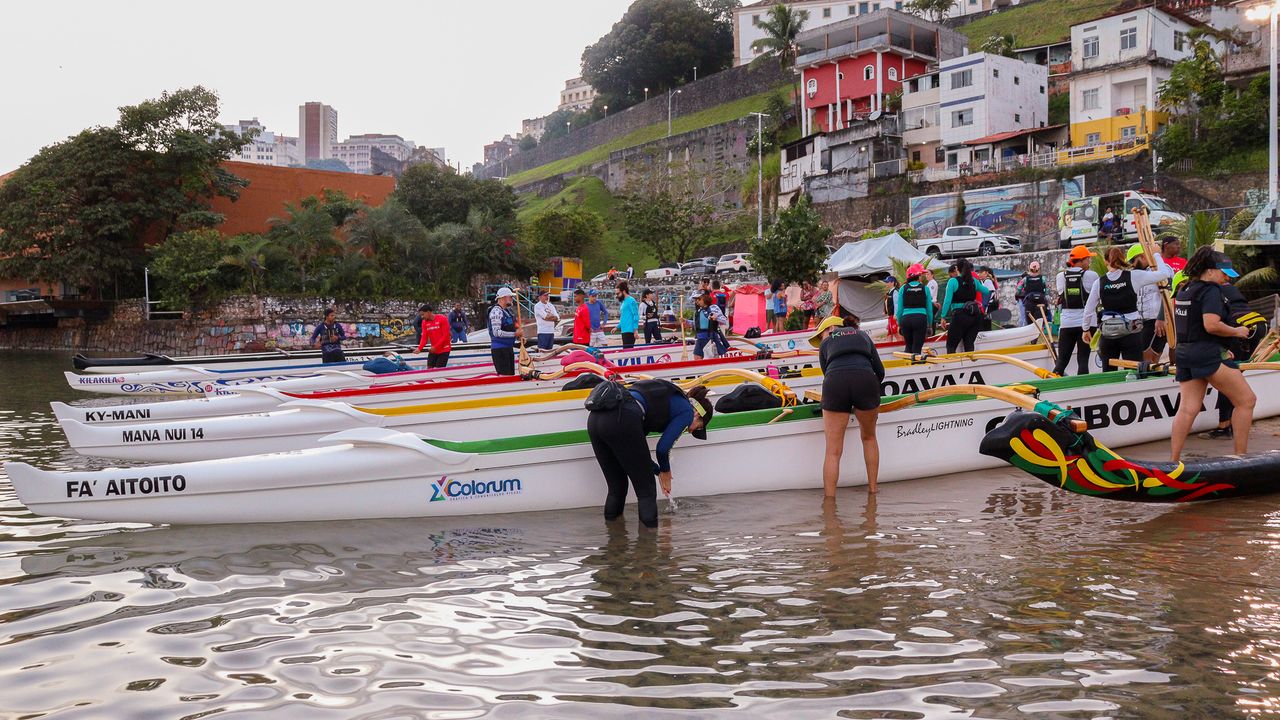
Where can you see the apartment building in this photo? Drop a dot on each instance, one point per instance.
(317, 130)
(577, 95)
(373, 153)
(980, 95)
(921, 132)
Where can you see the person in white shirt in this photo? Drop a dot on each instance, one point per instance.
(1074, 285)
(545, 317)
(630, 271)
(1117, 293)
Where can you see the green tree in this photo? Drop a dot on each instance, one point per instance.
(79, 211)
(1003, 44)
(437, 195)
(934, 10)
(673, 208)
(1212, 121)
(189, 269)
(656, 45)
(568, 231)
(308, 234)
(527, 143)
(793, 248)
(780, 27)
(249, 253)
(396, 243)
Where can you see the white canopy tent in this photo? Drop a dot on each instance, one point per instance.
(860, 263)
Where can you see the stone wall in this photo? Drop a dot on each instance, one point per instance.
(723, 87)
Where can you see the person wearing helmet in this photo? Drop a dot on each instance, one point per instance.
(502, 333)
(852, 374)
(1073, 285)
(1115, 298)
(1032, 294)
(913, 307)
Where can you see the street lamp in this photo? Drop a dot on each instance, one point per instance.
(606, 111)
(1258, 13)
(695, 73)
(567, 128)
(670, 94)
(759, 174)
(646, 94)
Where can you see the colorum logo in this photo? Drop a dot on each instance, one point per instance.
(446, 489)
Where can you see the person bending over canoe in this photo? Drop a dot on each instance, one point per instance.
(502, 333)
(852, 373)
(618, 439)
(328, 336)
(435, 330)
(1199, 315)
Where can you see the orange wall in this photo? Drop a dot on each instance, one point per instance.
(270, 188)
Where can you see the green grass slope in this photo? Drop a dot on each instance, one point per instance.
(1040, 23)
(680, 124)
(590, 193)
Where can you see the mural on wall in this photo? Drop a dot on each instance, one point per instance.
(294, 334)
(1027, 210)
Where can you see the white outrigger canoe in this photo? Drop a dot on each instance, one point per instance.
(380, 473)
(175, 380)
(265, 399)
(301, 424)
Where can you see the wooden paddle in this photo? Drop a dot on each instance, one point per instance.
(1149, 250)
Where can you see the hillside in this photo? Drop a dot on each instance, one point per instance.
(680, 124)
(1039, 23)
(589, 192)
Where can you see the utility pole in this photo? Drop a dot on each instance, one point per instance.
(1269, 11)
(759, 174)
(670, 94)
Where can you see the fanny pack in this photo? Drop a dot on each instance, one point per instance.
(1114, 327)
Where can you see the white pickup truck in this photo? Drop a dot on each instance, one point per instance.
(968, 240)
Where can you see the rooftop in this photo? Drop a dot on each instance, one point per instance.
(1011, 134)
(881, 29)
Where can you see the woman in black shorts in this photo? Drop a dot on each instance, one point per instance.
(852, 372)
(1199, 318)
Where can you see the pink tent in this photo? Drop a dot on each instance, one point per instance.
(748, 308)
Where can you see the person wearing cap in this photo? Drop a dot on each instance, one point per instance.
(502, 333)
(1171, 251)
(1074, 285)
(457, 324)
(1151, 307)
(1202, 354)
(619, 441)
(581, 318)
(1238, 315)
(1032, 294)
(962, 307)
(628, 314)
(1114, 299)
(914, 310)
(599, 316)
(851, 377)
(434, 329)
(545, 318)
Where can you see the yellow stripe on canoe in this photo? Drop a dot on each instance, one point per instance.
(557, 395)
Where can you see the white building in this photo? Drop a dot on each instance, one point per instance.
(982, 94)
(921, 129)
(577, 95)
(288, 151)
(358, 151)
(747, 19)
(1118, 62)
(262, 151)
(533, 127)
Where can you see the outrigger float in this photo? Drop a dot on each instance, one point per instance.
(381, 473)
(230, 361)
(301, 424)
(183, 380)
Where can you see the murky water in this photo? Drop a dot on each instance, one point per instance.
(970, 596)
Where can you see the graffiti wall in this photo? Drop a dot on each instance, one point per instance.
(1028, 211)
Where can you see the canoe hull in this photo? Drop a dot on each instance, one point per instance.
(376, 473)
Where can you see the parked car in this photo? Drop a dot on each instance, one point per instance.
(663, 270)
(600, 278)
(699, 266)
(968, 240)
(734, 262)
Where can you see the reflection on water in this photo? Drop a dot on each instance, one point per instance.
(969, 596)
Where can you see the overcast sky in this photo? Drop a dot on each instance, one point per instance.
(454, 74)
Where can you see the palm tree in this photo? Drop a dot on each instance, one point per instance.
(999, 45)
(780, 26)
(934, 10)
(388, 228)
(249, 253)
(307, 233)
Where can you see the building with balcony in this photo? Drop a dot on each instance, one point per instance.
(533, 127)
(982, 94)
(838, 165)
(374, 153)
(921, 132)
(747, 19)
(1118, 62)
(849, 68)
(577, 95)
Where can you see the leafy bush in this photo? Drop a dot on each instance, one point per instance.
(794, 248)
(190, 270)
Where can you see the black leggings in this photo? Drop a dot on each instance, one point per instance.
(652, 332)
(963, 330)
(1071, 339)
(504, 360)
(628, 340)
(1151, 341)
(914, 329)
(618, 441)
(1129, 347)
(437, 360)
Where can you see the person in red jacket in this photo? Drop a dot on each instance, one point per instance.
(581, 318)
(435, 329)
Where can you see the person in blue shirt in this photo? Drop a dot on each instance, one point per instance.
(962, 307)
(599, 316)
(386, 363)
(707, 319)
(328, 336)
(913, 307)
(628, 314)
(458, 324)
(619, 441)
(502, 333)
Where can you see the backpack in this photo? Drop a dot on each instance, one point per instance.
(606, 396)
(582, 382)
(752, 332)
(747, 396)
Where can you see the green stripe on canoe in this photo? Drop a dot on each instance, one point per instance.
(724, 421)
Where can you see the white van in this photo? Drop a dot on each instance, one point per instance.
(1079, 220)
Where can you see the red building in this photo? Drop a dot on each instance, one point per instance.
(848, 69)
